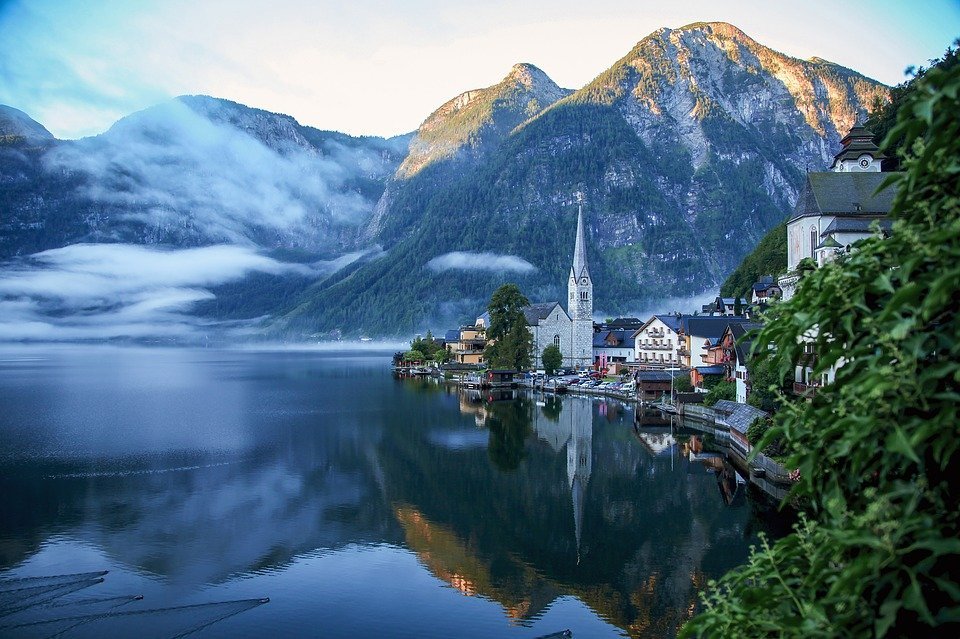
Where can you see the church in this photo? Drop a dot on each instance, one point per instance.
(836, 208)
(572, 329)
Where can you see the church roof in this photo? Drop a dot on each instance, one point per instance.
(858, 141)
(829, 193)
(856, 224)
(830, 242)
(536, 312)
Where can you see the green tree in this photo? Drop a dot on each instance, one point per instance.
(506, 305)
(413, 355)
(552, 359)
(512, 345)
(767, 387)
(876, 552)
(723, 389)
(682, 384)
(737, 306)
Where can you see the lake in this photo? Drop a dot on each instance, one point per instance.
(359, 504)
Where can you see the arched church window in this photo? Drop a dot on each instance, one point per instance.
(813, 239)
(556, 341)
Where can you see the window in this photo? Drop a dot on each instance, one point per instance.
(813, 239)
(556, 341)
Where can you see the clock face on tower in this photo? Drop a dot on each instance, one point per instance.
(864, 163)
(583, 281)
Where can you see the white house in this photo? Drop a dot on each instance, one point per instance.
(657, 343)
(614, 345)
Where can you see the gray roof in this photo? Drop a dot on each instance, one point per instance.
(654, 376)
(828, 193)
(536, 312)
(739, 417)
(857, 142)
(711, 370)
(830, 242)
(740, 342)
(709, 327)
(765, 282)
(672, 321)
(452, 336)
(859, 224)
(622, 336)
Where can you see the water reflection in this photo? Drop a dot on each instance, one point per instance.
(514, 499)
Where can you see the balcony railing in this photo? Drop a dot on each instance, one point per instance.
(656, 347)
(804, 390)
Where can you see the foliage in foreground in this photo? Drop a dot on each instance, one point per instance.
(878, 552)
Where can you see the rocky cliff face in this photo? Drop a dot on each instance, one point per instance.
(687, 151)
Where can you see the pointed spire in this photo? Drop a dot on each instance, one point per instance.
(580, 249)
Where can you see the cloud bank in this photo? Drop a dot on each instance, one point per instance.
(105, 291)
(213, 171)
(467, 261)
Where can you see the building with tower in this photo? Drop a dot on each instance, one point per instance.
(572, 329)
(836, 208)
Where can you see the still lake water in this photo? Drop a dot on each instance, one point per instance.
(360, 504)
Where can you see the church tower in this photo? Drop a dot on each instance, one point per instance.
(859, 153)
(580, 300)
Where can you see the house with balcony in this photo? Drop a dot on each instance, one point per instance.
(658, 343)
(469, 345)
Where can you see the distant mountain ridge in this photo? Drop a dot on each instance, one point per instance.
(686, 151)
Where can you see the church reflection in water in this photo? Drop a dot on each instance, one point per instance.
(519, 499)
(573, 501)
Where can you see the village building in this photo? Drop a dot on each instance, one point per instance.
(657, 344)
(764, 291)
(700, 334)
(468, 344)
(839, 207)
(613, 347)
(725, 306)
(731, 352)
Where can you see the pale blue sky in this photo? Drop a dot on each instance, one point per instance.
(380, 67)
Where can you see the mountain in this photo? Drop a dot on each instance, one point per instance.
(191, 172)
(19, 129)
(687, 151)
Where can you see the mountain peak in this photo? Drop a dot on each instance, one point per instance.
(16, 126)
(720, 29)
(529, 75)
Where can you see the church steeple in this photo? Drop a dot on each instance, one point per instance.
(579, 268)
(580, 286)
